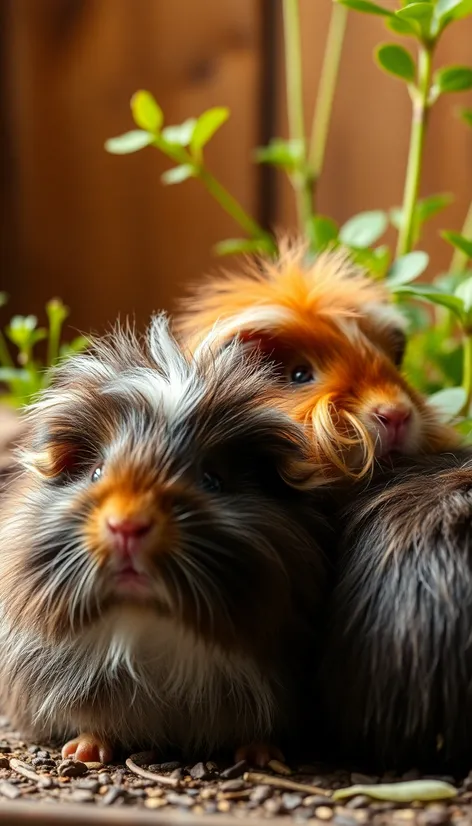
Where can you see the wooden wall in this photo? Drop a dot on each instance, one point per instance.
(100, 230)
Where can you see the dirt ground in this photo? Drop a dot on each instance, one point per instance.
(92, 793)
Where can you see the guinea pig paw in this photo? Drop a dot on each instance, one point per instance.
(259, 754)
(88, 748)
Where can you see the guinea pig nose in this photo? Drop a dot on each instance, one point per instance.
(393, 417)
(129, 528)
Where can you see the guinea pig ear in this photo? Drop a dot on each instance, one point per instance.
(398, 339)
(297, 463)
(386, 327)
(50, 458)
(302, 472)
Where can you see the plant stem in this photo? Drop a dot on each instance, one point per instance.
(326, 91)
(234, 208)
(302, 179)
(467, 371)
(460, 259)
(53, 340)
(415, 153)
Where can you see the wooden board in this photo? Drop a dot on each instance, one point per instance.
(101, 230)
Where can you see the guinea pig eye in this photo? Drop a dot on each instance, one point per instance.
(97, 473)
(211, 482)
(302, 374)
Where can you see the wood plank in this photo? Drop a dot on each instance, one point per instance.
(101, 230)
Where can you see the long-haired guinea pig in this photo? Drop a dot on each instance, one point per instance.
(159, 562)
(397, 674)
(338, 343)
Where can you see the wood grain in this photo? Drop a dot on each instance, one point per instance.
(98, 229)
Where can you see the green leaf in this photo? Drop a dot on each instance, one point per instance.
(57, 312)
(147, 114)
(9, 374)
(129, 142)
(416, 11)
(396, 217)
(375, 261)
(235, 246)
(396, 60)
(427, 208)
(408, 28)
(421, 14)
(447, 10)
(285, 154)
(448, 281)
(366, 6)
(428, 292)
(458, 241)
(207, 124)
(401, 792)
(443, 7)
(466, 115)
(448, 404)
(178, 174)
(453, 79)
(464, 427)
(23, 324)
(323, 231)
(407, 268)
(363, 229)
(3, 299)
(464, 292)
(180, 135)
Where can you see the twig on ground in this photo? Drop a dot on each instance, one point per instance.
(25, 770)
(133, 766)
(283, 783)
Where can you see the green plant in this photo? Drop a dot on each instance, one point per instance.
(439, 356)
(25, 374)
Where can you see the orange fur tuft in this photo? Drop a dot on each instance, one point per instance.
(329, 288)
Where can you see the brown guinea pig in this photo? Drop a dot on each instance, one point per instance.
(338, 342)
(396, 677)
(160, 564)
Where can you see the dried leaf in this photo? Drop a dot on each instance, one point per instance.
(401, 792)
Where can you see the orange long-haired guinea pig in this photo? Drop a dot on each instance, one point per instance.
(159, 562)
(338, 343)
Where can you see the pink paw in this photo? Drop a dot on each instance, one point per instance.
(88, 748)
(259, 754)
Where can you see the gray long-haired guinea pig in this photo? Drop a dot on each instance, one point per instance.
(397, 675)
(159, 563)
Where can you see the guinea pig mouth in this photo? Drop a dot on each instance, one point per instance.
(392, 441)
(127, 580)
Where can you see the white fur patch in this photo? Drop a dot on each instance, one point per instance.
(259, 318)
(184, 690)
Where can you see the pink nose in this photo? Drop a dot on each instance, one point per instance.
(394, 418)
(127, 534)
